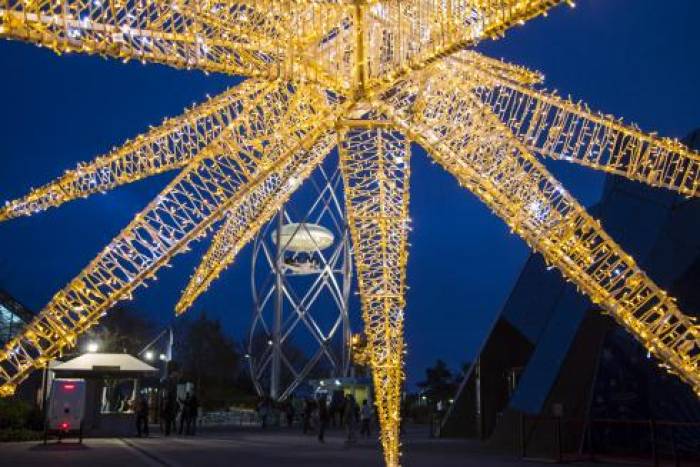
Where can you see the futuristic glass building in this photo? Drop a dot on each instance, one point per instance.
(13, 316)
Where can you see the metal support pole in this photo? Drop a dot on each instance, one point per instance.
(44, 386)
(277, 321)
(360, 52)
(171, 341)
(44, 399)
(135, 392)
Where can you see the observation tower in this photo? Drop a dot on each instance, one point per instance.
(301, 278)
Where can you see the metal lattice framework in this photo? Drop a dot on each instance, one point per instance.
(301, 294)
(368, 76)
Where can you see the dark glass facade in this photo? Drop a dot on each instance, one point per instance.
(13, 316)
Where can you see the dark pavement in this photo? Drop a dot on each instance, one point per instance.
(247, 447)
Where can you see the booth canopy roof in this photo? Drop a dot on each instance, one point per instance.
(105, 362)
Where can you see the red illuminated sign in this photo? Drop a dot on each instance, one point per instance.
(69, 387)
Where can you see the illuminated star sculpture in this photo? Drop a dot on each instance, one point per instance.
(369, 76)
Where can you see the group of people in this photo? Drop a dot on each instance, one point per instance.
(343, 412)
(317, 414)
(186, 409)
(264, 409)
(287, 410)
(171, 408)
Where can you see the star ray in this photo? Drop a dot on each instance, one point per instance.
(375, 168)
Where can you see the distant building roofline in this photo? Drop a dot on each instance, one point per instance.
(12, 304)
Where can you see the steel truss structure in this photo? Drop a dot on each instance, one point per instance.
(301, 298)
(368, 76)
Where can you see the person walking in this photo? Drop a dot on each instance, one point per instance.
(184, 412)
(191, 421)
(306, 416)
(350, 418)
(163, 414)
(322, 418)
(365, 417)
(289, 413)
(341, 410)
(142, 416)
(169, 412)
(264, 411)
(335, 408)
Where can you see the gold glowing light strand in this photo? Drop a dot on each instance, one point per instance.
(255, 39)
(506, 72)
(184, 211)
(169, 146)
(401, 36)
(568, 131)
(491, 163)
(374, 162)
(266, 38)
(243, 223)
(155, 31)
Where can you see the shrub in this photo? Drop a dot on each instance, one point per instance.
(19, 434)
(15, 414)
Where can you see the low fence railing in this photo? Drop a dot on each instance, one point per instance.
(648, 442)
(233, 417)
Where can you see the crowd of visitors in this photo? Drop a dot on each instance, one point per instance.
(171, 411)
(317, 414)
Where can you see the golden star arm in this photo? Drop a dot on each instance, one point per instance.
(274, 24)
(243, 223)
(569, 131)
(184, 211)
(156, 31)
(498, 16)
(262, 24)
(501, 69)
(470, 142)
(401, 35)
(169, 146)
(375, 168)
(302, 34)
(326, 44)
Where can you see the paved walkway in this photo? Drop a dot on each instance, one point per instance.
(245, 448)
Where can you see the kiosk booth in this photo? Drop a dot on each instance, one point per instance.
(109, 384)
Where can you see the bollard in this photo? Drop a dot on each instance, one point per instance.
(654, 452)
(557, 435)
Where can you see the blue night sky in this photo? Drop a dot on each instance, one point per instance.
(633, 58)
